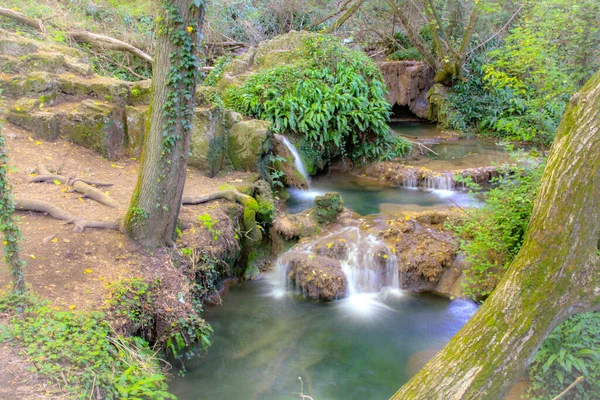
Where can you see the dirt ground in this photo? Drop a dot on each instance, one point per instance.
(70, 269)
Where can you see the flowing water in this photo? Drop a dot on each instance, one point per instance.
(364, 346)
(298, 163)
(368, 196)
(361, 347)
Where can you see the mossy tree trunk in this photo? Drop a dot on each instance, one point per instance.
(556, 273)
(11, 233)
(152, 215)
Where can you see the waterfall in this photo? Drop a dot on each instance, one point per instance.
(368, 263)
(436, 181)
(297, 159)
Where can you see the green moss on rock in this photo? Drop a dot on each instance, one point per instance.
(248, 140)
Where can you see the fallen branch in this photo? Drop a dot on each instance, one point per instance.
(107, 42)
(60, 214)
(78, 185)
(22, 18)
(104, 42)
(571, 386)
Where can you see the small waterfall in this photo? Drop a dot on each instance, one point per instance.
(297, 159)
(369, 264)
(440, 181)
(436, 181)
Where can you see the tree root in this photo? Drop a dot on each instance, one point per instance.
(231, 195)
(60, 214)
(79, 185)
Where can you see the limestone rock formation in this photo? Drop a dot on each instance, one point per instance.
(319, 277)
(408, 83)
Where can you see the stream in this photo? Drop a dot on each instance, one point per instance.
(364, 346)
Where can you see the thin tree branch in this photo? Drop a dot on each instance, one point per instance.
(107, 42)
(501, 29)
(22, 18)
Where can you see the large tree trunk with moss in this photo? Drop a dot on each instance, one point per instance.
(555, 274)
(152, 215)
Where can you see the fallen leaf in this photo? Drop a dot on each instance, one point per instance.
(66, 241)
(72, 307)
(32, 256)
(88, 271)
(57, 182)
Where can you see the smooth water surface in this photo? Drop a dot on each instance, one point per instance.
(416, 129)
(356, 348)
(367, 196)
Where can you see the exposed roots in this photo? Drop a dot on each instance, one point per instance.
(79, 185)
(60, 214)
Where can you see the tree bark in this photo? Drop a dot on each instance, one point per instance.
(554, 275)
(152, 215)
(17, 16)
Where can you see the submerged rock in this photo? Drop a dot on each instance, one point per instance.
(319, 277)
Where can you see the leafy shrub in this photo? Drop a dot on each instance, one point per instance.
(81, 350)
(570, 351)
(132, 299)
(332, 96)
(492, 235)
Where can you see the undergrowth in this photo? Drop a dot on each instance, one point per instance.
(571, 351)
(491, 236)
(81, 352)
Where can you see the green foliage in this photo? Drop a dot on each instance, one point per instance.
(215, 74)
(570, 351)
(332, 96)
(492, 235)
(519, 89)
(81, 350)
(132, 299)
(209, 224)
(10, 230)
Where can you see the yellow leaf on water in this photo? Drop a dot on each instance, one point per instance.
(57, 182)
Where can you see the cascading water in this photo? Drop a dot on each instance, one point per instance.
(297, 159)
(368, 263)
(440, 181)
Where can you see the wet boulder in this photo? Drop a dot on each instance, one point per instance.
(328, 207)
(319, 277)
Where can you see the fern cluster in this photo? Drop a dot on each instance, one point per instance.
(332, 96)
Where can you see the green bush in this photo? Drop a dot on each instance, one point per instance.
(81, 350)
(332, 96)
(492, 235)
(570, 351)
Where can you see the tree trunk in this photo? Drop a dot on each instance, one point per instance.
(11, 233)
(554, 275)
(152, 215)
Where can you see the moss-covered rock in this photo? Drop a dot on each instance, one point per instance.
(328, 207)
(102, 88)
(208, 140)
(437, 97)
(248, 141)
(137, 123)
(97, 126)
(318, 277)
(44, 125)
(17, 46)
(27, 85)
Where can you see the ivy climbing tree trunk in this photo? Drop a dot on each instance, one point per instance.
(556, 273)
(12, 234)
(152, 215)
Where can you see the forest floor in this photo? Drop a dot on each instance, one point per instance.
(72, 270)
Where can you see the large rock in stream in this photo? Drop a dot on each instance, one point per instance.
(318, 277)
